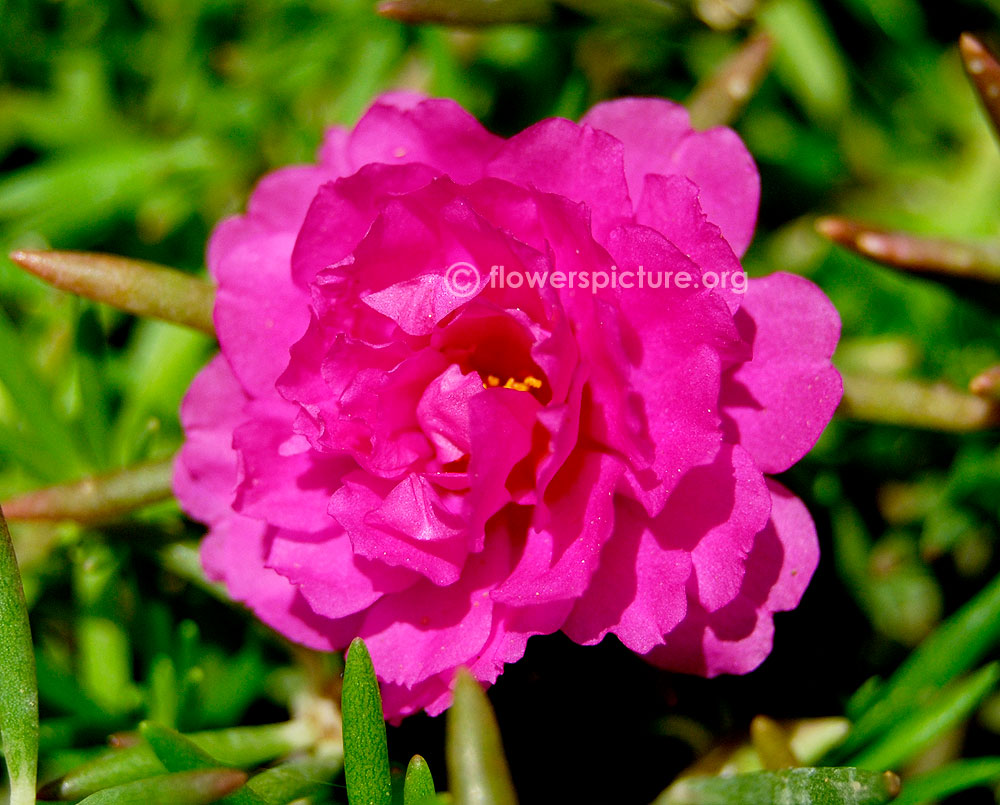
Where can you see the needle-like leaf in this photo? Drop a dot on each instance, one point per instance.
(135, 286)
(185, 788)
(984, 70)
(817, 786)
(178, 753)
(718, 99)
(916, 404)
(18, 684)
(477, 768)
(97, 499)
(969, 260)
(951, 779)
(928, 722)
(242, 747)
(954, 648)
(366, 756)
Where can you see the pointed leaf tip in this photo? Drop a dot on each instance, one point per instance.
(135, 286)
(418, 785)
(719, 99)
(771, 742)
(477, 768)
(366, 754)
(987, 383)
(984, 71)
(951, 258)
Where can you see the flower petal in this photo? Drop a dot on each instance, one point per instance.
(433, 629)
(777, 404)
(658, 139)
(331, 577)
(436, 132)
(205, 471)
(738, 637)
(233, 552)
(578, 162)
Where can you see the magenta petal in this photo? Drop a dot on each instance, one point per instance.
(444, 412)
(777, 404)
(334, 580)
(398, 701)
(578, 162)
(722, 506)
(503, 422)
(738, 637)
(729, 185)
(259, 313)
(563, 547)
(649, 128)
(669, 204)
(233, 552)
(342, 212)
(412, 524)
(435, 132)
(205, 471)
(658, 139)
(676, 339)
(284, 481)
(436, 628)
(707, 525)
(638, 590)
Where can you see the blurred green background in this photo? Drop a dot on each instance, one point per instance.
(133, 127)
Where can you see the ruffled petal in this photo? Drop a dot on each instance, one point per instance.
(233, 553)
(701, 538)
(412, 524)
(205, 470)
(578, 162)
(738, 637)
(434, 629)
(283, 481)
(332, 578)
(778, 404)
(563, 545)
(259, 313)
(658, 139)
(669, 204)
(402, 128)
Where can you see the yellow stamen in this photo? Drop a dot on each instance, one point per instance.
(530, 382)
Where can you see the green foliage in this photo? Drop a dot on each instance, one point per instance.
(366, 758)
(477, 768)
(133, 127)
(18, 687)
(419, 785)
(816, 786)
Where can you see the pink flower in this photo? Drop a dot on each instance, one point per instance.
(446, 464)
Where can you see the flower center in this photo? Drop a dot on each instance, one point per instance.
(530, 382)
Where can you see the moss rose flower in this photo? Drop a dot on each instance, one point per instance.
(417, 433)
